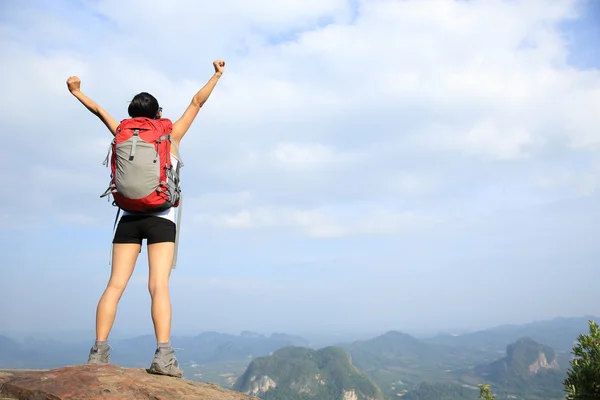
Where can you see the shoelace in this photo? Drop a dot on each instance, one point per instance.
(110, 348)
(175, 349)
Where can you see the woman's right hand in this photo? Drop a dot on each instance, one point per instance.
(219, 66)
(74, 84)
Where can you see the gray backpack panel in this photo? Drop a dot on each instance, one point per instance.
(138, 169)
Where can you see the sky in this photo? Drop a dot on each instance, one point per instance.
(362, 165)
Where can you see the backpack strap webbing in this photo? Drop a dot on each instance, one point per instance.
(177, 230)
(114, 230)
(180, 207)
(136, 137)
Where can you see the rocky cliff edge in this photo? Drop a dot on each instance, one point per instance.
(87, 382)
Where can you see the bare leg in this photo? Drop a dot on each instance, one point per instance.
(160, 260)
(123, 263)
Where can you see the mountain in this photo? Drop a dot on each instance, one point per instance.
(529, 369)
(399, 362)
(396, 348)
(42, 354)
(8, 347)
(525, 357)
(296, 373)
(559, 333)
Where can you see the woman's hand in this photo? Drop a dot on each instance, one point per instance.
(74, 84)
(219, 66)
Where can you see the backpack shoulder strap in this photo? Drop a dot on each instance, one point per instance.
(167, 126)
(166, 123)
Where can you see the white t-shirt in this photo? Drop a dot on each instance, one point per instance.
(170, 213)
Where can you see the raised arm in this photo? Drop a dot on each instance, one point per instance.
(183, 124)
(74, 85)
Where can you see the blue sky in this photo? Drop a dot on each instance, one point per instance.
(361, 165)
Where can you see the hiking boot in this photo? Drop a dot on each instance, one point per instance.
(99, 355)
(165, 363)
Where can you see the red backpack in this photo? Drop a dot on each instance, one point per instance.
(142, 178)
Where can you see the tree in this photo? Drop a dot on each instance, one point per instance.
(583, 377)
(485, 392)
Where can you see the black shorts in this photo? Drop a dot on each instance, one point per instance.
(135, 228)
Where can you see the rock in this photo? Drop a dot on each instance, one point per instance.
(86, 382)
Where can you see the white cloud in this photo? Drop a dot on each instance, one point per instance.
(577, 181)
(401, 105)
(488, 139)
(321, 222)
(195, 17)
(313, 156)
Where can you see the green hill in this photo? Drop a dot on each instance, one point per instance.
(529, 370)
(525, 357)
(297, 373)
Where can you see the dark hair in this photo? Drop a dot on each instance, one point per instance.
(143, 105)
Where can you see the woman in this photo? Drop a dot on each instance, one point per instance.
(158, 229)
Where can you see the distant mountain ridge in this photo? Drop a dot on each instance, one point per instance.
(559, 333)
(394, 347)
(397, 362)
(207, 347)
